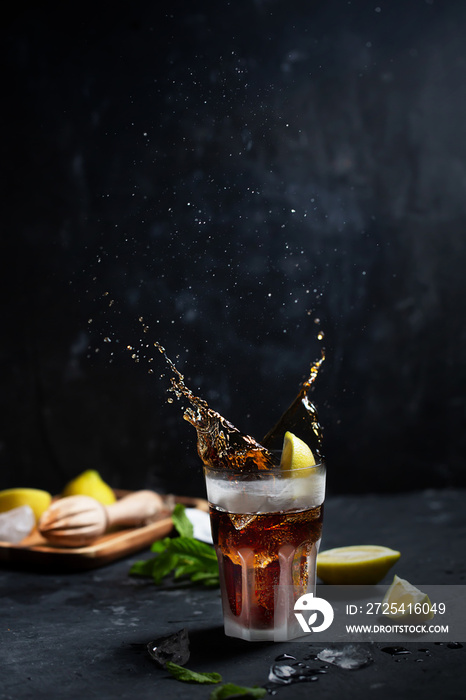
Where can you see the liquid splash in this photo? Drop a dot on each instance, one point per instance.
(221, 445)
(300, 417)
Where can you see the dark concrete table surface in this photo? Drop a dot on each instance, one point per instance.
(84, 635)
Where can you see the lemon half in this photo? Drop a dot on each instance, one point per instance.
(296, 455)
(405, 601)
(90, 483)
(36, 499)
(364, 564)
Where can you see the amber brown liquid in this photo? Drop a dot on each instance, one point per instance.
(262, 542)
(300, 418)
(221, 445)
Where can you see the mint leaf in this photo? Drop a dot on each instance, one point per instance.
(187, 676)
(230, 690)
(160, 545)
(186, 569)
(182, 523)
(194, 548)
(162, 565)
(141, 568)
(211, 582)
(186, 556)
(205, 576)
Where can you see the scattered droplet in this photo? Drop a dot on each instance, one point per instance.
(282, 673)
(107, 339)
(282, 657)
(454, 645)
(395, 651)
(286, 674)
(348, 656)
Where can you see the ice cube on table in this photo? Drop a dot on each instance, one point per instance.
(349, 656)
(172, 647)
(16, 524)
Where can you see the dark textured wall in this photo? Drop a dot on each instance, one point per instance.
(232, 173)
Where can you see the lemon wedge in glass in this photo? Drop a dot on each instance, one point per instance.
(405, 601)
(364, 564)
(296, 456)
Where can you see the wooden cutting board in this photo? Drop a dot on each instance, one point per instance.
(34, 552)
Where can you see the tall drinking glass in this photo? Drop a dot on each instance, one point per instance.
(266, 529)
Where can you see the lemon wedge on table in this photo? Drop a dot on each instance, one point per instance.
(403, 600)
(296, 455)
(364, 564)
(36, 499)
(90, 483)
